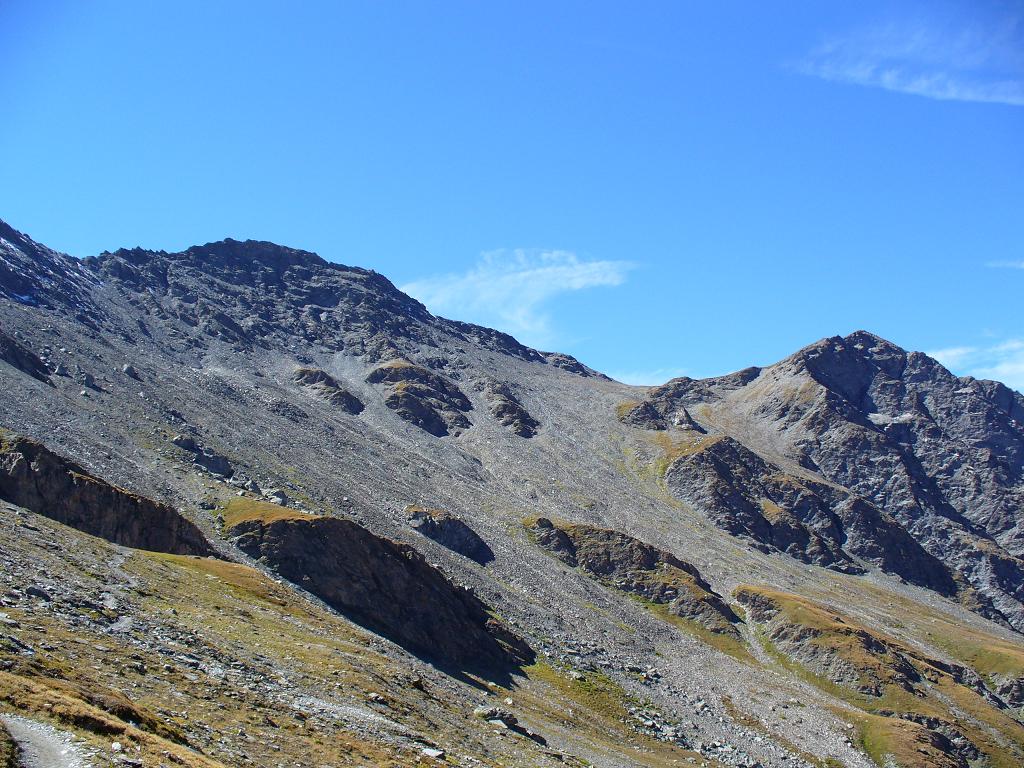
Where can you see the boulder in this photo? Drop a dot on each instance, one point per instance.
(449, 531)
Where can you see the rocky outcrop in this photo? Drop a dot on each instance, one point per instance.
(423, 398)
(259, 294)
(502, 719)
(811, 520)
(845, 652)
(507, 408)
(204, 457)
(449, 531)
(326, 386)
(630, 565)
(36, 276)
(386, 586)
(34, 478)
(25, 360)
(661, 410)
(832, 646)
(571, 364)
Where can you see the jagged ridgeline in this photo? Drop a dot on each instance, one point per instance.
(259, 508)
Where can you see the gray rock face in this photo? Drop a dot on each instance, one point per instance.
(942, 456)
(385, 585)
(25, 360)
(33, 275)
(633, 566)
(812, 521)
(449, 531)
(324, 385)
(37, 479)
(508, 409)
(661, 410)
(423, 398)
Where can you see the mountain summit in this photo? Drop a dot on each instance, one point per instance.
(259, 508)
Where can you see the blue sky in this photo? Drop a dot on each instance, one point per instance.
(658, 189)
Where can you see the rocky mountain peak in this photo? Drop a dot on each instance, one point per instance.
(848, 365)
(225, 255)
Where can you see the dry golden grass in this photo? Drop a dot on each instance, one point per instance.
(622, 410)
(674, 449)
(47, 699)
(8, 749)
(592, 711)
(873, 654)
(242, 509)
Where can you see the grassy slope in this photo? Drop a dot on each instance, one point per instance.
(8, 749)
(104, 686)
(998, 735)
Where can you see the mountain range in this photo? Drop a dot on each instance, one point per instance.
(260, 508)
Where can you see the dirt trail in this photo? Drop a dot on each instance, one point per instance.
(43, 746)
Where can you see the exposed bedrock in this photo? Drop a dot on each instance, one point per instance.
(384, 585)
(426, 399)
(630, 565)
(813, 521)
(449, 531)
(33, 477)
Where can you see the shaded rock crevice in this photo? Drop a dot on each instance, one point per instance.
(450, 532)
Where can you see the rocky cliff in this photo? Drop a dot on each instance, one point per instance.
(384, 585)
(35, 478)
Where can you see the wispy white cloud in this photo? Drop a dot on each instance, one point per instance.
(649, 377)
(510, 289)
(953, 357)
(1006, 264)
(973, 62)
(1003, 361)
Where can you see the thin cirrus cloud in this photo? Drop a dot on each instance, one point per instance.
(975, 62)
(1003, 361)
(1006, 264)
(512, 289)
